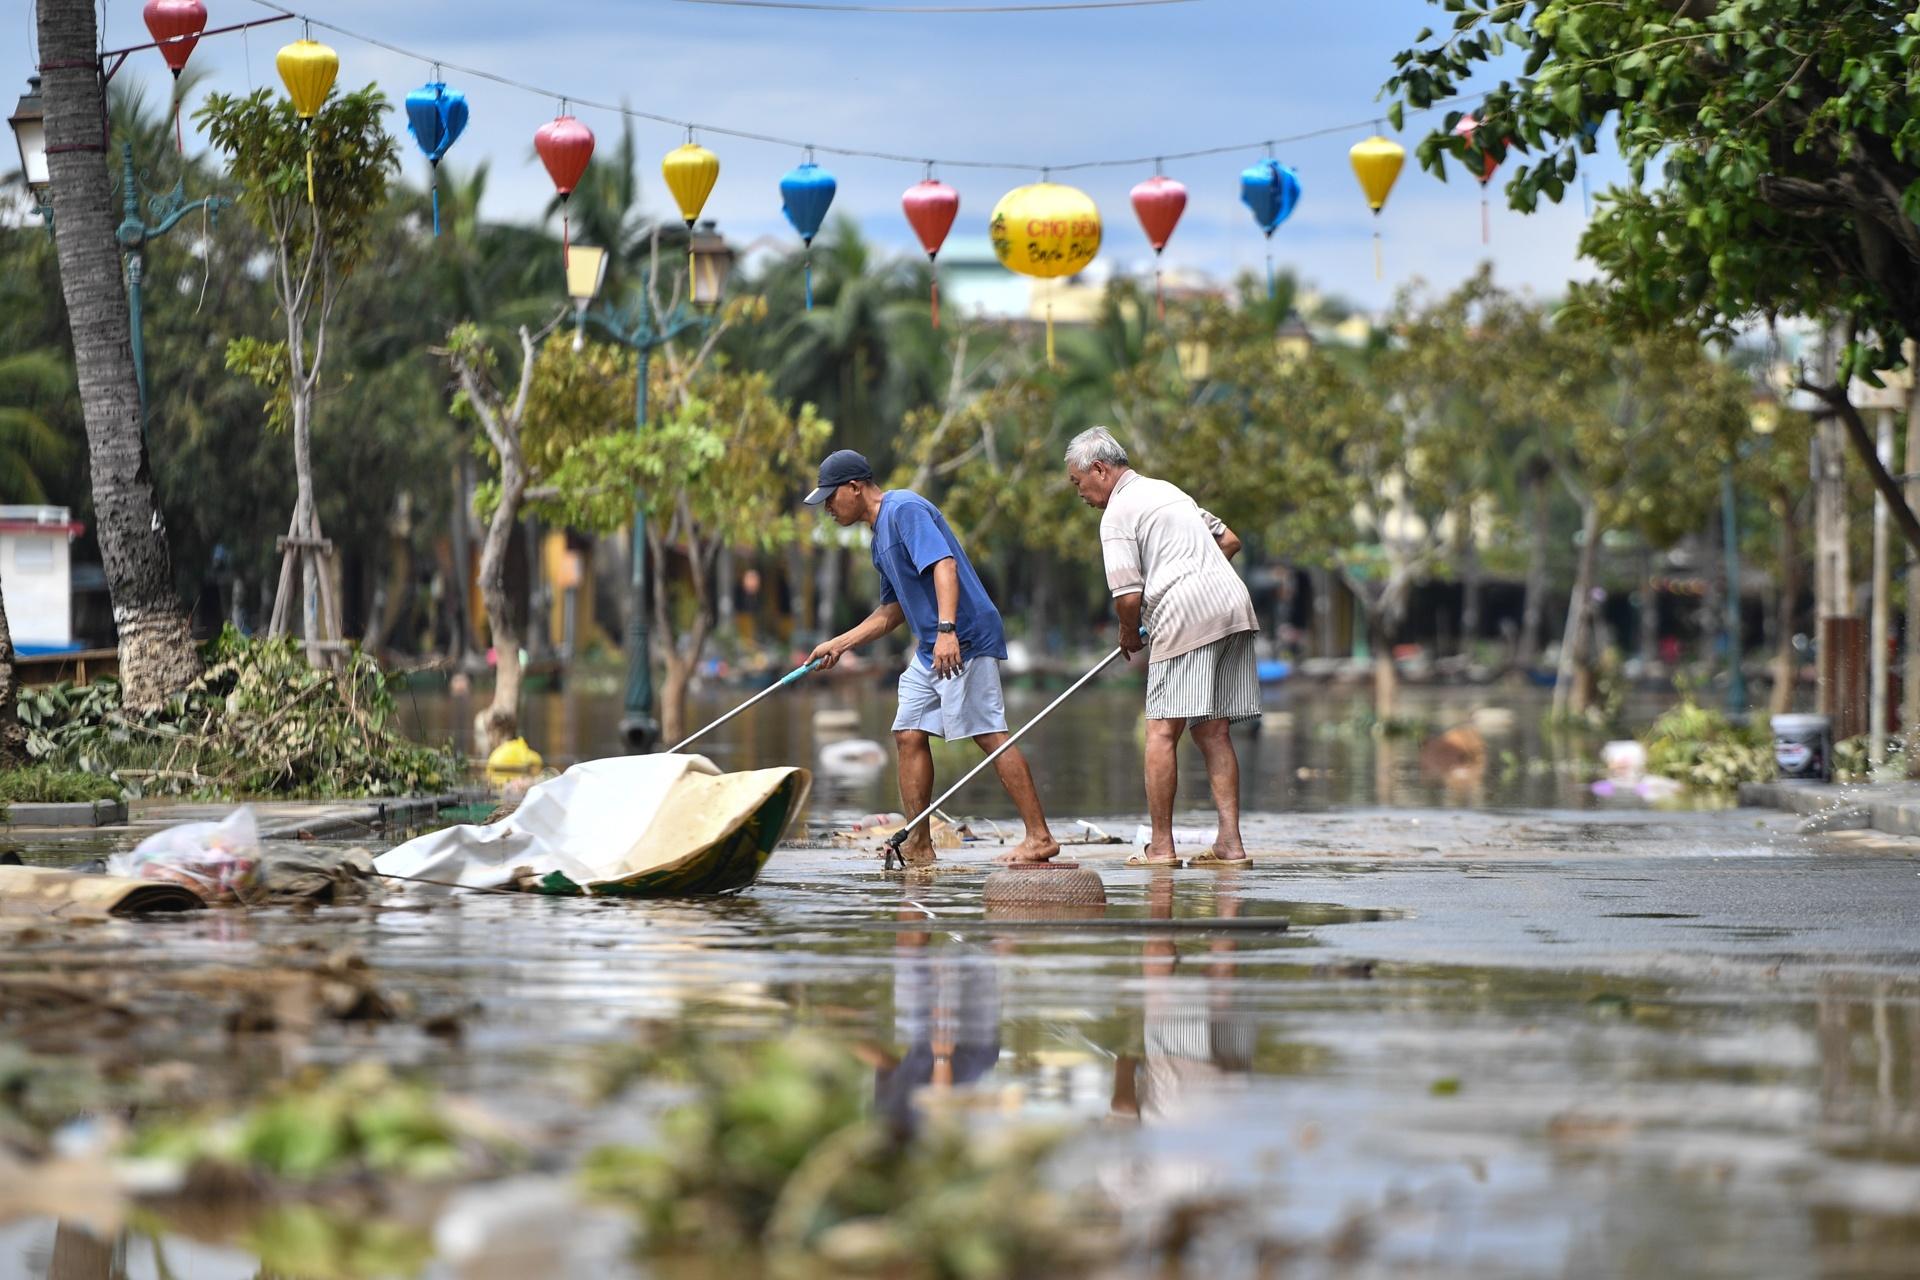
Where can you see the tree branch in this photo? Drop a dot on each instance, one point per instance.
(1840, 406)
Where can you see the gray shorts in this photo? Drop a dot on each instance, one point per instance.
(1214, 682)
(961, 706)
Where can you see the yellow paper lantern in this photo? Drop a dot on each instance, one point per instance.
(1045, 230)
(691, 170)
(307, 68)
(1376, 162)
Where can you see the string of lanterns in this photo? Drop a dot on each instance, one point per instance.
(1043, 230)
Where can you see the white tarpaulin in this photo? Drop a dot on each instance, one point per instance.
(583, 824)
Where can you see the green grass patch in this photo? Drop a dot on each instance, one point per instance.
(51, 784)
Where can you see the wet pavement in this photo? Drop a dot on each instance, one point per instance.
(1531, 1042)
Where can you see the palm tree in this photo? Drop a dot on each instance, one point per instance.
(157, 655)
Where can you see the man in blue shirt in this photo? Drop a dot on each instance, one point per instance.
(952, 685)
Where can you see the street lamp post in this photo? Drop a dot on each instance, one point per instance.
(133, 233)
(639, 328)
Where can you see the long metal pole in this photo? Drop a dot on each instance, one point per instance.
(638, 726)
(899, 837)
(779, 684)
(1736, 678)
(132, 235)
(1882, 654)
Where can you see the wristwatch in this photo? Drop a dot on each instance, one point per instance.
(946, 628)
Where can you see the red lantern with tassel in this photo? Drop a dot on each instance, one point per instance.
(1158, 203)
(176, 25)
(931, 207)
(565, 146)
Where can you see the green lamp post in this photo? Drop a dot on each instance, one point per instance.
(134, 233)
(639, 328)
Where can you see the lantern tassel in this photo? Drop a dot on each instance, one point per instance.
(809, 277)
(1269, 269)
(1050, 363)
(566, 235)
(1159, 294)
(1379, 263)
(179, 142)
(1586, 193)
(310, 199)
(1486, 223)
(936, 301)
(436, 204)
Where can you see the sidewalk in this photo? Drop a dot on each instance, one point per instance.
(1889, 807)
(279, 819)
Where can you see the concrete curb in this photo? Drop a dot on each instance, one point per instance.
(1889, 807)
(87, 813)
(374, 815)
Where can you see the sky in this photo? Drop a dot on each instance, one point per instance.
(1035, 89)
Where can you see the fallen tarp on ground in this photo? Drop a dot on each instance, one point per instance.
(53, 891)
(663, 825)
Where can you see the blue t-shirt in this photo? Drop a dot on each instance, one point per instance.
(909, 538)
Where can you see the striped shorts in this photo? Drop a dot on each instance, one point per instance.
(1214, 682)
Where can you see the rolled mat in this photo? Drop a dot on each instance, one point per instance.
(50, 891)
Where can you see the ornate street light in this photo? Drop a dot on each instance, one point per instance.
(30, 132)
(710, 263)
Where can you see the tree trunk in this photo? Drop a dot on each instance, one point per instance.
(1386, 677)
(13, 739)
(1471, 578)
(157, 654)
(1786, 667)
(458, 590)
(1534, 612)
(1911, 711)
(1569, 689)
(1832, 574)
(500, 722)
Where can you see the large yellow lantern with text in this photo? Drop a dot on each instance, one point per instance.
(1046, 231)
(307, 68)
(1376, 162)
(690, 170)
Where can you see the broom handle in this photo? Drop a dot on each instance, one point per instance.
(899, 837)
(782, 682)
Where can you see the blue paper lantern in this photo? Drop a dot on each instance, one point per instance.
(1270, 190)
(436, 117)
(805, 195)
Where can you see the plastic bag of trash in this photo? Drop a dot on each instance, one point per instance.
(220, 861)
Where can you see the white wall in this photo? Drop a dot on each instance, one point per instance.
(36, 584)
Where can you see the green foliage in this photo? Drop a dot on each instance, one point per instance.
(265, 365)
(259, 722)
(267, 146)
(325, 1128)
(32, 449)
(1705, 750)
(1786, 138)
(773, 1161)
(47, 784)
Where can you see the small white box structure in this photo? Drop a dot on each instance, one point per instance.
(36, 578)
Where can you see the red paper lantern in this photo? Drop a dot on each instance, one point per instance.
(1158, 203)
(178, 23)
(931, 207)
(565, 146)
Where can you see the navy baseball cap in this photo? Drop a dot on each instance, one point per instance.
(841, 466)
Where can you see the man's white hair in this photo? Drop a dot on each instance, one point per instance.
(1095, 444)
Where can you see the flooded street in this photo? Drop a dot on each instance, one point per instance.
(1486, 1031)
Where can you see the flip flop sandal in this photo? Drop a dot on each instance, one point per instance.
(1142, 860)
(1212, 859)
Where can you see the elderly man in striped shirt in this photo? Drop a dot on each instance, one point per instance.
(1166, 562)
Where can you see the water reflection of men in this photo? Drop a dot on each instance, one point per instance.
(946, 1011)
(1189, 1048)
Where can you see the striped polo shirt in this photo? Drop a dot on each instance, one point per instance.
(1157, 541)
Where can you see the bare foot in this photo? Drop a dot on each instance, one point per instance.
(917, 852)
(1031, 850)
